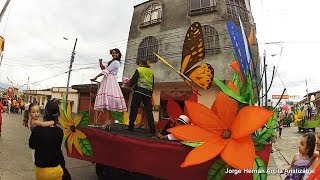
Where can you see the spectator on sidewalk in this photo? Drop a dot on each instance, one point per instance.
(47, 144)
(313, 171)
(280, 126)
(302, 159)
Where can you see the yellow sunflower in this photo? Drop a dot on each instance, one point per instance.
(70, 131)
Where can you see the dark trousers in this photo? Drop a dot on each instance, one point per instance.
(136, 101)
(309, 113)
(280, 132)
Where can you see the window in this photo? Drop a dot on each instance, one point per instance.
(202, 6)
(211, 39)
(152, 15)
(147, 47)
(235, 7)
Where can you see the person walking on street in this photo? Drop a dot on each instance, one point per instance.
(2, 109)
(142, 83)
(9, 105)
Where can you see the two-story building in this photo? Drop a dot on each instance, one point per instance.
(160, 26)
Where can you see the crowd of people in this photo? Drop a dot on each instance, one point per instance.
(14, 105)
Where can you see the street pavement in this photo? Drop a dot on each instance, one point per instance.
(16, 159)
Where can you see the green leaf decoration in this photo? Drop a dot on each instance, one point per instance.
(259, 169)
(246, 91)
(229, 91)
(85, 119)
(267, 131)
(192, 143)
(217, 170)
(118, 116)
(237, 81)
(64, 105)
(259, 146)
(86, 147)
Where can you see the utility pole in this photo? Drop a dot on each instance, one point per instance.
(307, 90)
(28, 83)
(70, 67)
(265, 81)
(1, 58)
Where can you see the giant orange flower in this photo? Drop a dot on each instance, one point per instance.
(223, 130)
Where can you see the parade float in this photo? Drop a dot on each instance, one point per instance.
(12, 93)
(303, 123)
(227, 141)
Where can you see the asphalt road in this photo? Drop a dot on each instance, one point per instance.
(16, 159)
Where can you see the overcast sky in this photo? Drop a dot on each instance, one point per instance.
(35, 47)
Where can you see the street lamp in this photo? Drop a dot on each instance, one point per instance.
(70, 67)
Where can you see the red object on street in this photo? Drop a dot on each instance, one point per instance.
(149, 156)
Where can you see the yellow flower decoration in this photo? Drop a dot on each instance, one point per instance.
(70, 131)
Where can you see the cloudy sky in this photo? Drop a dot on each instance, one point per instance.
(35, 47)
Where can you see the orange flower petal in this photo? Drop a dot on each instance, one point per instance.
(203, 117)
(248, 120)
(239, 153)
(193, 133)
(235, 66)
(203, 153)
(226, 107)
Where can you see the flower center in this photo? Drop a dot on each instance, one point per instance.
(73, 128)
(226, 134)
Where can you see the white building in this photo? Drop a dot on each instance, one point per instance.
(40, 96)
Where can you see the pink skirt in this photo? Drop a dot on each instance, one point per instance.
(110, 96)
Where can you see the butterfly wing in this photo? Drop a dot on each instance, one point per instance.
(202, 75)
(193, 47)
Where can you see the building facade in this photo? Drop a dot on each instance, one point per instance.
(160, 26)
(40, 96)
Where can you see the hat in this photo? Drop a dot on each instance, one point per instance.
(184, 119)
(51, 111)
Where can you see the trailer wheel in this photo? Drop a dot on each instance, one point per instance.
(299, 129)
(104, 172)
(313, 129)
(99, 171)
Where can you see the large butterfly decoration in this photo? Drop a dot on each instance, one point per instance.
(193, 52)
